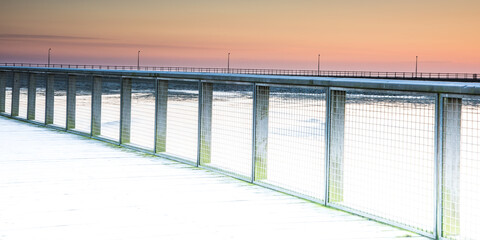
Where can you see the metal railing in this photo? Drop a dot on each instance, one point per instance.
(286, 72)
(406, 153)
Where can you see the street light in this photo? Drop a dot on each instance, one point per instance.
(318, 65)
(416, 66)
(228, 63)
(138, 60)
(49, 50)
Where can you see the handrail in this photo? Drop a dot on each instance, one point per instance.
(416, 85)
(286, 72)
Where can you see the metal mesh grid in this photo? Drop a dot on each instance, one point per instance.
(60, 100)
(22, 109)
(110, 126)
(143, 113)
(231, 129)
(461, 193)
(296, 140)
(182, 119)
(40, 82)
(388, 163)
(83, 103)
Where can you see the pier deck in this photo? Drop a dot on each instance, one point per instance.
(56, 185)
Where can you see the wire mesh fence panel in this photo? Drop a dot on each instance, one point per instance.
(230, 109)
(182, 120)
(386, 166)
(296, 140)
(142, 130)
(60, 100)
(41, 86)
(23, 97)
(461, 193)
(83, 103)
(110, 123)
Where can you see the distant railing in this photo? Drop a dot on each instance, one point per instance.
(405, 153)
(322, 73)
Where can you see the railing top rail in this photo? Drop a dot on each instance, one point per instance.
(451, 87)
(333, 73)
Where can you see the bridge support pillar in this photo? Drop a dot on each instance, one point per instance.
(3, 88)
(32, 94)
(71, 101)
(262, 98)
(49, 99)
(452, 111)
(161, 101)
(96, 123)
(337, 131)
(206, 122)
(125, 110)
(16, 94)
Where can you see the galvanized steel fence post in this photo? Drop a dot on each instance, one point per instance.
(327, 132)
(15, 95)
(254, 126)
(199, 123)
(49, 99)
(32, 93)
(336, 145)
(96, 115)
(125, 110)
(262, 96)
(161, 101)
(71, 102)
(452, 112)
(3, 87)
(438, 165)
(206, 122)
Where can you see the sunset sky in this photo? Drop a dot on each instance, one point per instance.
(377, 35)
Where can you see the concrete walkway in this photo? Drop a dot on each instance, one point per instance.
(56, 185)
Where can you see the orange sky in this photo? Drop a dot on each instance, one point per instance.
(383, 35)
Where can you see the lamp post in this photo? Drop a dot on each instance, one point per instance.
(138, 60)
(318, 65)
(228, 63)
(416, 66)
(49, 50)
